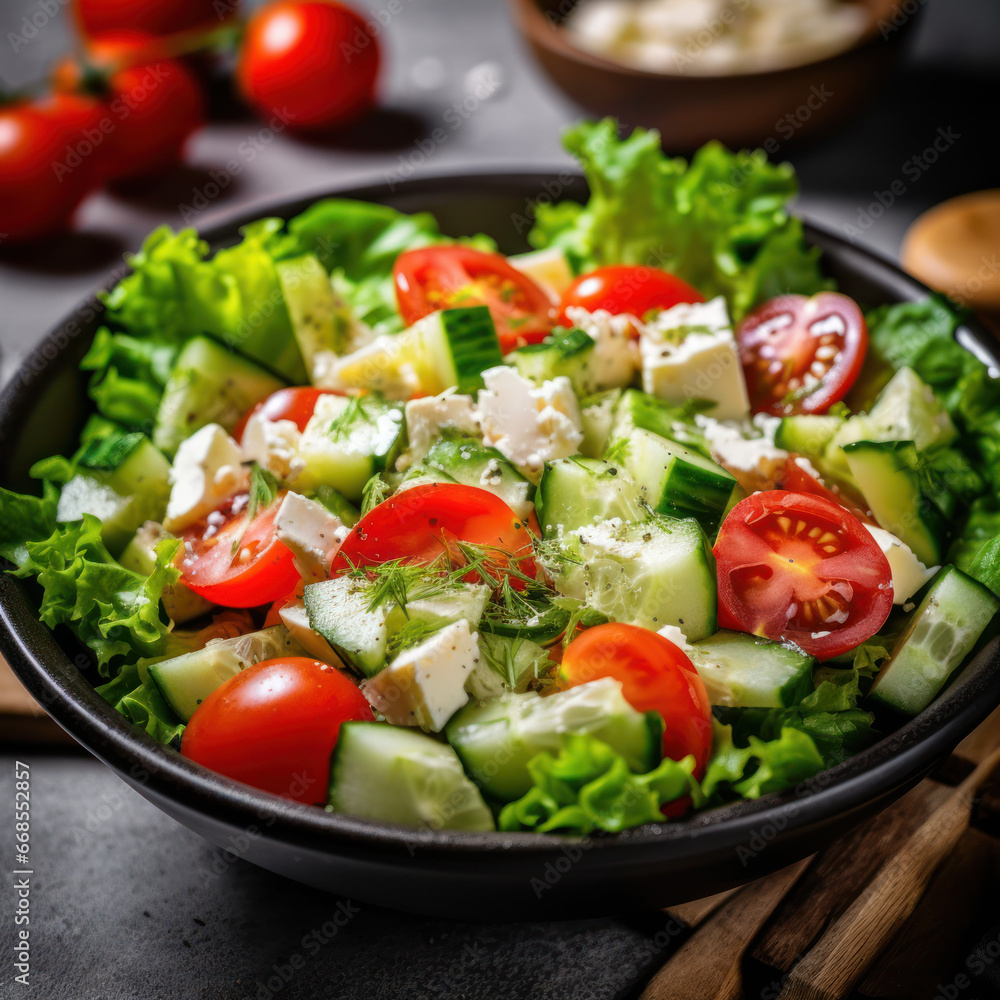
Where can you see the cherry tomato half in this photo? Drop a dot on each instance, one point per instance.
(801, 568)
(441, 277)
(152, 107)
(623, 288)
(656, 676)
(421, 524)
(261, 570)
(311, 64)
(274, 726)
(40, 189)
(296, 403)
(155, 17)
(802, 355)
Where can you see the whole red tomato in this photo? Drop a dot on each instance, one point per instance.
(40, 188)
(154, 17)
(313, 64)
(152, 105)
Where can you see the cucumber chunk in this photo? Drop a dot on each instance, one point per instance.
(348, 440)
(744, 671)
(566, 352)
(472, 463)
(186, 681)
(637, 410)
(676, 480)
(807, 434)
(391, 775)
(597, 414)
(580, 492)
(886, 473)
(496, 740)
(938, 637)
(208, 385)
(908, 410)
(449, 348)
(468, 601)
(657, 573)
(126, 485)
(338, 610)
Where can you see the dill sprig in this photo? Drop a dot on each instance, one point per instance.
(263, 493)
(413, 633)
(375, 491)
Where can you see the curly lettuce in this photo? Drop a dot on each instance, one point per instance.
(721, 222)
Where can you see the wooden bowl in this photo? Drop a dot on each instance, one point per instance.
(765, 109)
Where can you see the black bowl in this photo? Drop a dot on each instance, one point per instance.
(472, 876)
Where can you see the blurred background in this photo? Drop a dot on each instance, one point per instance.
(871, 153)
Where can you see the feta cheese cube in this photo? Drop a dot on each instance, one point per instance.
(311, 532)
(427, 417)
(909, 574)
(746, 449)
(689, 352)
(207, 470)
(273, 445)
(425, 685)
(616, 353)
(530, 425)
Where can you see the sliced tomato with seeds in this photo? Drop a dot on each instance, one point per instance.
(445, 277)
(235, 561)
(801, 568)
(797, 478)
(802, 355)
(423, 524)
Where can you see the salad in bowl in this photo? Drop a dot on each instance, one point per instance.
(647, 520)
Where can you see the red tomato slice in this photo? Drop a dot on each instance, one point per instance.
(799, 480)
(621, 288)
(802, 355)
(801, 568)
(261, 571)
(274, 726)
(656, 676)
(419, 525)
(442, 277)
(296, 403)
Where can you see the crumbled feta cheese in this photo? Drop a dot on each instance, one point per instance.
(689, 352)
(616, 353)
(425, 685)
(311, 532)
(273, 445)
(530, 425)
(427, 417)
(673, 634)
(746, 449)
(909, 574)
(207, 470)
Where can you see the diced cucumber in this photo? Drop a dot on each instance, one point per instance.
(496, 740)
(908, 410)
(676, 480)
(597, 414)
(637, 410)
(449, 348)
(506, 663)
(472, 463)
(657, 573)
(392, 775)
(744, 671)
(566, 352)
(208, 385)
(939, 635)
(578, 492)
(348, 440)
(466, 601)
(807, 434)
(337, 504)
(321, 321)
(126, 485)
(548, 268)
(886, 473)
(180, 604)
(186, 681)
(339, 610)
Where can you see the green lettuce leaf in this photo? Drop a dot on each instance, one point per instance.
(113, 611)
(134, 694)
(25, 519)
(720, 223)
(588, 786)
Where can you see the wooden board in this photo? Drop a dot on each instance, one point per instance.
(22, 719)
